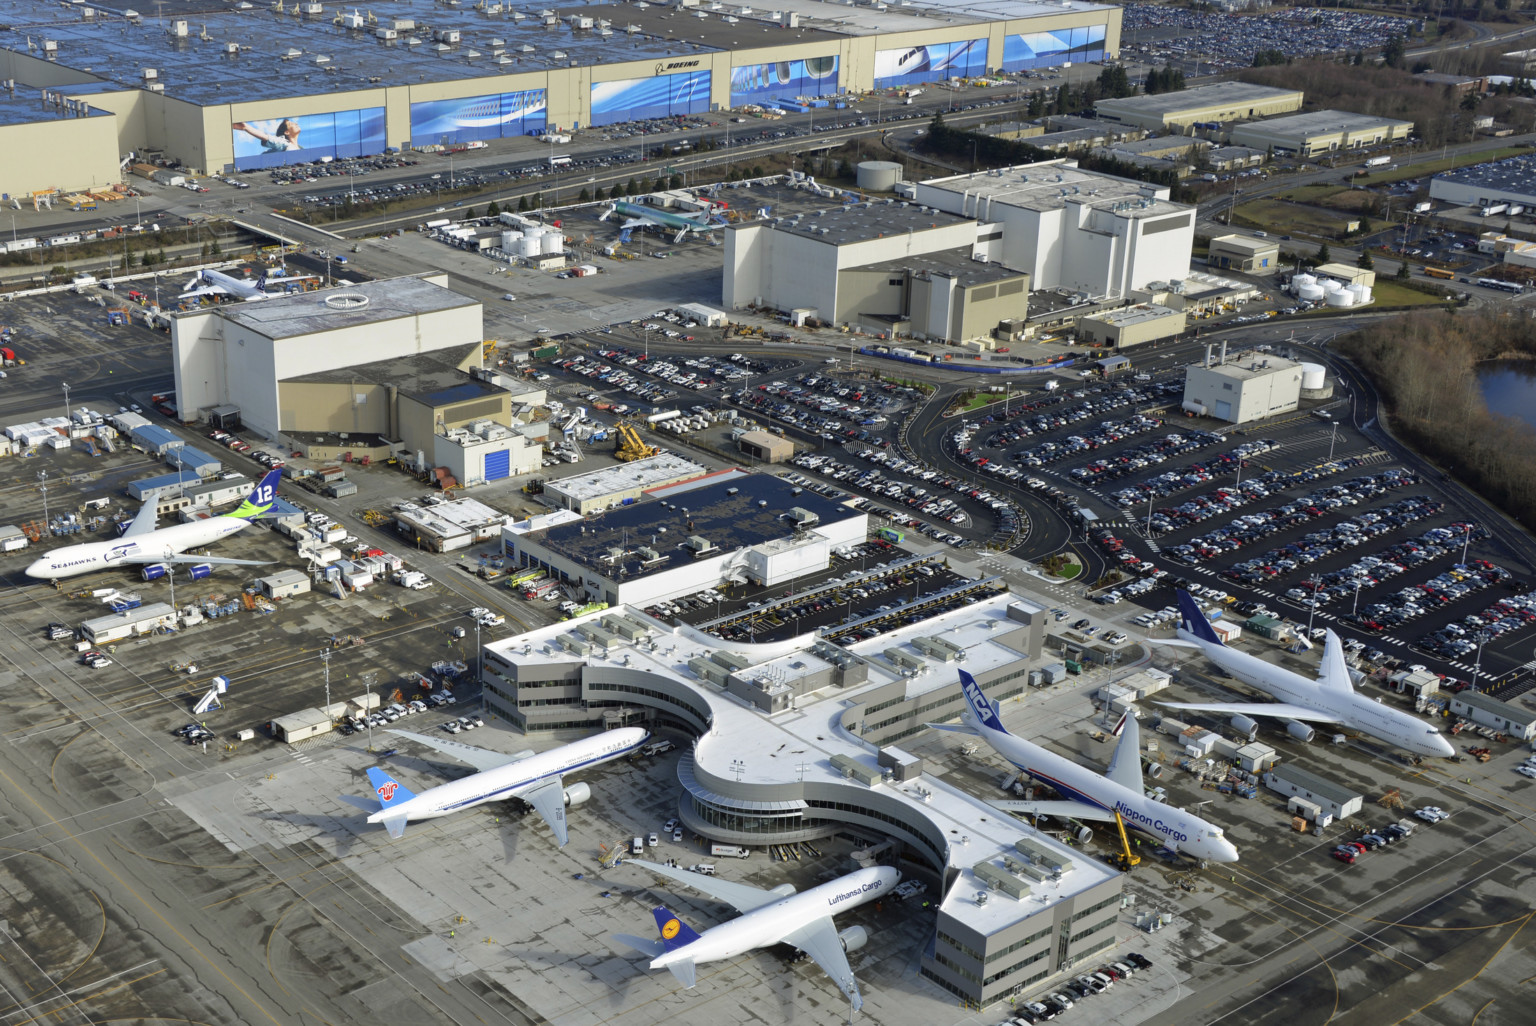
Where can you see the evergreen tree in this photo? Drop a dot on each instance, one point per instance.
(1395, 52)
(1365, 262)
(494, 210)
(1323, 255)
(1036, 105)
(1403, 271)
(522, 204)
(585, 196)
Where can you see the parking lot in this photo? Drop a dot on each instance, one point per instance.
(1160, 34)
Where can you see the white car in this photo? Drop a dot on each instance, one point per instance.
(1526, 771)
(492, 620)
(452, 727)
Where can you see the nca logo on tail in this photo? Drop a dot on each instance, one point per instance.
(387, 791)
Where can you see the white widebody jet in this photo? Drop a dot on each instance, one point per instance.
(217, 283)
(144, 543)
(1096, 796)
(537, 779)
(777, 916)
(1300, 702)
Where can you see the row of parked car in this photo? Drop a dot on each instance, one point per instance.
(1504, 616)
(1193, 475)
(640, 388)
(1252, 527)
(1349, 851)
(1047, 411)
(1049, 1006)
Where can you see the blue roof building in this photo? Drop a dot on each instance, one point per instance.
(148, 488)
(188, 458)
(155, 439)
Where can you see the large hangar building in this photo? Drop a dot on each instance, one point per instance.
(222, 86)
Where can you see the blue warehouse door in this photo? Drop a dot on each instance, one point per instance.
(498, 465)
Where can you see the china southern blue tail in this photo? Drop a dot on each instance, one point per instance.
(390, 791)
(981, 708)
(1194, 621)
(674, 932)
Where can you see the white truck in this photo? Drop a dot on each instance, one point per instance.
(729, 851)
(1377, 162)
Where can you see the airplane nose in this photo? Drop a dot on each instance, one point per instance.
(38, 569)
(1442, 748)
(1226, 851)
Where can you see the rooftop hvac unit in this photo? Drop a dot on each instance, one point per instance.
(178, 29)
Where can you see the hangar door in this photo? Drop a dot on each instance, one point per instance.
(498, 465)
(1223, 412)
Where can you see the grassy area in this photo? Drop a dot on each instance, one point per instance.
(983, 399)
(1279, 216)
(1387, 292)
(1312, 193)
(1434, 167)
(1069, 571)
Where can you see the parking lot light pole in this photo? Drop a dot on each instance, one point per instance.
(1477, 664)
(1312, 609)
(1150, 496)
(1358, 582)
(1332, 438)
(1465, 541)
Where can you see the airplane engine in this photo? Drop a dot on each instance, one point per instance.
(1300, 731)
(1084, 835)
(1153, 770)
(785, 889)
(577, 793)
(1244, 725)
(853, 938)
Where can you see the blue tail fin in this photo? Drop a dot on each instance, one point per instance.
(390, 791)
(1193, 621)
(261, 498)
(261, 283)
(982, 709)
(674, 932)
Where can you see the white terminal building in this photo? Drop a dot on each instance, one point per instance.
(962, 254)
(1015, 905)
(732, 527)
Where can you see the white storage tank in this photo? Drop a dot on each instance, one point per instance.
(1311, 293)
(509, 241)
(531, 244)
(1361, 292)
(1340, 297)
(554, 242)
(1303, 279)
(1329, 285)
(1313, 375)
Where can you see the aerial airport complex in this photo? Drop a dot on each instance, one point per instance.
(499, 634)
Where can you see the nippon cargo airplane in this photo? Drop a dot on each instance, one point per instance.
(1331, 698)
(217, 283)
(1092, 795)
(777, 916)
(534, 778)
(143, 542)
(640, 214)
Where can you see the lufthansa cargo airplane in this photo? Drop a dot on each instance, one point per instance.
(1093, 795)
(144, 543)
(778, 916)
(1298, 701)
(536, 778)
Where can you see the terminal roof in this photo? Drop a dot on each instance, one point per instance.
(738, 513)
(304, 313)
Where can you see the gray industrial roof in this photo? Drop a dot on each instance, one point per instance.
(22, 105)
(956, 263)
(434, 378)
(1226, 94)
(1323, 122)
(860, 222)
(750, 516)
(1517, 174)
(1317, 785)
(1489, 704)
(304, 313)
(1052, 184)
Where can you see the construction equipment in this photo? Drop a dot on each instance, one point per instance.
(1127, 858)
(1393, 799)
(629, 445)
(1480, 754)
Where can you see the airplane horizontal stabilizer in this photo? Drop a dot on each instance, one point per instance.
(395, 825)
(954, 728)
(684, 971)
(648, 948)
(1279, 710)
(1173, 642)
(1061, 810)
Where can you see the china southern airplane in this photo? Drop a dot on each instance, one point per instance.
(1092, 795)
(536, 778)
(778, 916)
(640, 214)
(217, 283)
(143, 542)
(1329, 699)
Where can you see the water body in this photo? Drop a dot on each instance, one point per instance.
(1509, 388)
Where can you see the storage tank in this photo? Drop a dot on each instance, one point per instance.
(1339, 297)
(1361, 293)
(554, 242)
(878, 175)
(510, 241)
(1303, 279)
(1329, 285)
(1310, 292)
(531, 244)
(1313, 375)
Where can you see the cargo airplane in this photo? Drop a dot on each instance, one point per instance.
(1300, 702)
(217, 283)
(642, 215)
(536, 778)
(777, 916)
(1095, 796)
(144, 543)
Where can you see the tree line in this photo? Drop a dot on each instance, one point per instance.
(1425, 365)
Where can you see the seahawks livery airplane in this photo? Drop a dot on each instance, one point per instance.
(1096, 796)
(1300, 702)
(536, 778)
(217, 283)
(777, 916)
(143, 542)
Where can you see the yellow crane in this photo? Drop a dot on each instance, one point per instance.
(630, 446)
(1127, 858)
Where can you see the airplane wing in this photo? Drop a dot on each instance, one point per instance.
(820, 941)
(206, 290)
(634, 222)
(143, 521)
(172, 558)
(739, 896)
(1061, 810)
(481, 759)
(1278, 710)
(548, 799)
(291, 277)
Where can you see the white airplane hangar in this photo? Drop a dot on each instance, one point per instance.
(1016, 906)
